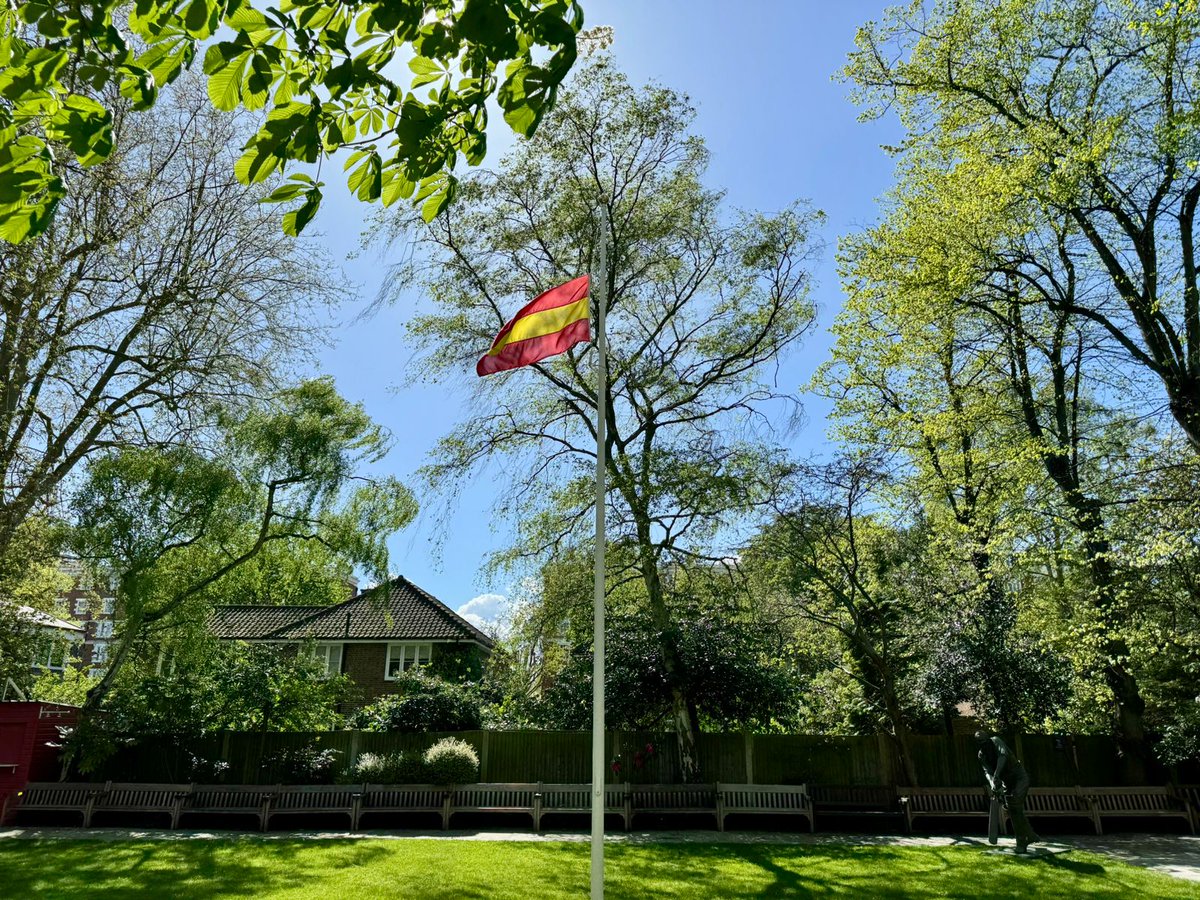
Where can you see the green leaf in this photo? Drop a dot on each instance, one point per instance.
(396, 186)
(295, 221)
(139, 87)
(249, 20)
(523, 97)
(85, 127)
(284, 193)
(439, 199)
(225, 82)
(256, 164)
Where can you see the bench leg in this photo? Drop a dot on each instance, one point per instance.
(446, 814)
(88, 808)
(720, 814)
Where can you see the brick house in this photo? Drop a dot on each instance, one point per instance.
(92, 603)
(372, 637)
(55, 640)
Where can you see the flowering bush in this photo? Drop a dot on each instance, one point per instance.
(451, 761)
(387, 768)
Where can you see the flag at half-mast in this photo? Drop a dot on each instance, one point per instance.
(550, 324)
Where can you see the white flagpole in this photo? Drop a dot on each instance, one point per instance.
(599, 292)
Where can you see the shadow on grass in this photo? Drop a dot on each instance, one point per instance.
(484, 870)
(191, 870)
(878, 872)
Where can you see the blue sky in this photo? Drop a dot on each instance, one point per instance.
(778, 127)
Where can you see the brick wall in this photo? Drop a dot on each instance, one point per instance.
(364, 663)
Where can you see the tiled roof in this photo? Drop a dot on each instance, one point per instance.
(407, 613)
(42, 619)
(257, 621)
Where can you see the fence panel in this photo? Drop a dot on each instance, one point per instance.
(565, 757)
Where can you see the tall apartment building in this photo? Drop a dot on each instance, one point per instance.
(92, 604)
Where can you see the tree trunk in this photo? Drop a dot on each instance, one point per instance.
(900, 736)
(683, 708)
(1061, 464)
(1184, 395)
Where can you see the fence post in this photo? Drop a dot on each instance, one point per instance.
(484, 774)
(353, 754)
(749, 745)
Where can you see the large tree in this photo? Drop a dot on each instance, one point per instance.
(701, 304)
(826, 559)
(169, 525)
(1072, 110)
(161, 292)
(325, 72)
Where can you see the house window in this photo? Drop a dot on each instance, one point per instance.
(165, 664)
(81, 606)
(330, 656)
(402, 657)
(51, 653)
(108, 604)
(104, 629)
(99, 653)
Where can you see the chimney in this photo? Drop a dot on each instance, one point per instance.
(351, 587)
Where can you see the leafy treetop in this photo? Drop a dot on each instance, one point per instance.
(323, 71)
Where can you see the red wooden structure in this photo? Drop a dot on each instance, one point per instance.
(29, 735)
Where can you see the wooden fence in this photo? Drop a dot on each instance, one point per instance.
(565, 756)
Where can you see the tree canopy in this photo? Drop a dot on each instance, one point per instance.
(701, 303)
(326, 76)
(168, 525)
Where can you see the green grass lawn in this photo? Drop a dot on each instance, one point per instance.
(371, 869)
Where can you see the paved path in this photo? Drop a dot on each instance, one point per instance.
(1176, 855)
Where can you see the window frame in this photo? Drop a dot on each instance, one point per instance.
(44, 651)
(323, 651)
(422, 655)
(99, 653)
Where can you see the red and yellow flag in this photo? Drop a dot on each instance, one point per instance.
(552, 323)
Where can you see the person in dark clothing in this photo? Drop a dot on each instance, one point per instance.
(1004, 771)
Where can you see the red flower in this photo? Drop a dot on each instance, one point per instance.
(649, 749)
(616, 767)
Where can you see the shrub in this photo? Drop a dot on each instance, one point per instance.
(423, 703)
(387, 768)
(302, 765)
(451, 761)
(206, 771)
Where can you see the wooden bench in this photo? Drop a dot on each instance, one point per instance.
(238, 799)
(514, 797)
(942, 802)
(1060, 802)
(1190, 795)
(166, 799)
(672, 799)
(855, 800)
(773, 799)
(1137, 802)
(576, 799)
(54, 796)
(404, 798)
(317, 799)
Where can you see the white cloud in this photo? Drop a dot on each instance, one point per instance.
(484, 612)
